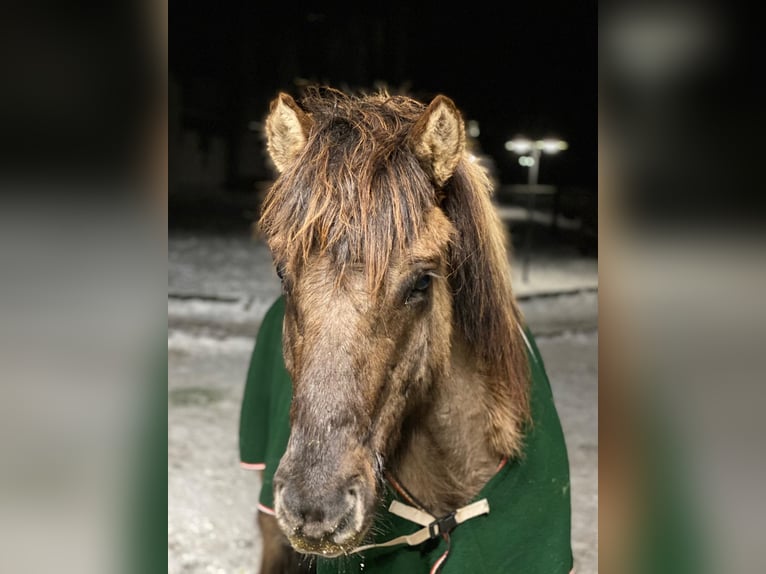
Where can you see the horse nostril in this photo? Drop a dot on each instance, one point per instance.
(299, 507)
(311, 514)
(342, 525)
(353, 488)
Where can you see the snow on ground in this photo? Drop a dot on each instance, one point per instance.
(571, 361)
(211, 501)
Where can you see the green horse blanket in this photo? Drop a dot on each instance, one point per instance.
(527, 530)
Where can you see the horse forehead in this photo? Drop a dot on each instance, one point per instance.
(333, 291)
(428, 243)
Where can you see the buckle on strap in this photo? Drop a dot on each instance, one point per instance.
(432, 527)
(443, 525)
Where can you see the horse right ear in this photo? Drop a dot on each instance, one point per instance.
(287, 128)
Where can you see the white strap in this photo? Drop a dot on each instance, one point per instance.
(431, 524)
(410, 513)
(472, 511)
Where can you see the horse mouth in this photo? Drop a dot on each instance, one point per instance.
(328, 539)
(326, 547)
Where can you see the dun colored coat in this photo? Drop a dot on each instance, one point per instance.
(404, 346)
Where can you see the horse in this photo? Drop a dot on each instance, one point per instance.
(401, 334)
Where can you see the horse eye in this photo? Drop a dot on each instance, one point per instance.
(281, 272)
(422, 283)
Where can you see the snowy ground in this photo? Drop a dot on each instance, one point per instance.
(220, 287)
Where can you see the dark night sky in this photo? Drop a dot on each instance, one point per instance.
(515, 67)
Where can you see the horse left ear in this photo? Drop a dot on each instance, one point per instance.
(438, 139)
(287, 128)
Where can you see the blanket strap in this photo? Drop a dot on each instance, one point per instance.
(432, 526)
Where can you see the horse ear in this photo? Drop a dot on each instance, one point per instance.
(438, 139)
(287, 128)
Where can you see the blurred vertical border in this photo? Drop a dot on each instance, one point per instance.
(83, 251)
(681, 289)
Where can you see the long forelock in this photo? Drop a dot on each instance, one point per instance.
(357, 193)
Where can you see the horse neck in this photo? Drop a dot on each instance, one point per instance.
(445, 458)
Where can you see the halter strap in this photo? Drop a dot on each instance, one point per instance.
(432, 526)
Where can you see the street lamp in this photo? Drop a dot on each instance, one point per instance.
(530, 152)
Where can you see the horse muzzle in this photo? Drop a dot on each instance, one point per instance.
(322, 511)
